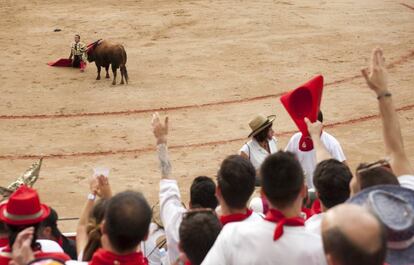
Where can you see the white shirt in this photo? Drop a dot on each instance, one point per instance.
(313, 224)
(171, 213)
(308, 159)
(49, 246)
(406, 181)
(246, 244)
(256, 153)
(149, 247)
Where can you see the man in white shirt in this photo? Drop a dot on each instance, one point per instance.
(331, 179)
(308, 159)
(281, 237)
(235, 185)
(202, 192)
(376, 77)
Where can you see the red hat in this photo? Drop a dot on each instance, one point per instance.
(303, 102)
(23, 208)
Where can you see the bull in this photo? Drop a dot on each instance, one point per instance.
(104, 53)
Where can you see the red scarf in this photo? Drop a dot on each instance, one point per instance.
(105, 257)
(276, 216)
(4, 242)
(237, 217)
(316, 206)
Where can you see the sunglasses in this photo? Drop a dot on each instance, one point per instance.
(380, 163)
(194, 211)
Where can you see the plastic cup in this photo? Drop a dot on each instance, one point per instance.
(98, 171)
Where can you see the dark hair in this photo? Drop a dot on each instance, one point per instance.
(127, 220)
(93, 229)
(347, 253)
(202, 193)
(14, 230)
(236, 179)
(320, 116)
(375, 176)
(331, 179)
(262, 136)
(3, 228)
(282, 178)
(51, 221)
(77, 35)
(198, 232)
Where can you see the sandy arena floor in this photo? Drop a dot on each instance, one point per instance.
(210, 65)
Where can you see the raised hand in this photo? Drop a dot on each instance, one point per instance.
(160, 130)
(22, 252)
(104, 189)
(376, 74)
(315, 129)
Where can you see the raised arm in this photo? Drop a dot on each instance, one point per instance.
(376, 77)
(315, 130)
(160, 132)
(98, 186)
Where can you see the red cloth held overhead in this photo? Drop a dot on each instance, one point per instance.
(303, 102)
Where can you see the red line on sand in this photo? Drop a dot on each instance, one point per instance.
(401, 60)
(213, 143)
(407, 5)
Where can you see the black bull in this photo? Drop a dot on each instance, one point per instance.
(104, 54)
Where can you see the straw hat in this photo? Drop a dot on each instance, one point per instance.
(259, 123)
(393, 205)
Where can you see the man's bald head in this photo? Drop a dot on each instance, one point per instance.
(352, 235)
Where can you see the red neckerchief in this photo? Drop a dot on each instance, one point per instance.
(276, 216)
(316, 206)
(105, 257)
(4, 242)
(308, 212)
(237, 217)
(187, 262)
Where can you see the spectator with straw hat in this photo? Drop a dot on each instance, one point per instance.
(262, 143)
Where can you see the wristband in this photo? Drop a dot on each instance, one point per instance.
(91, 196)
(383, 95)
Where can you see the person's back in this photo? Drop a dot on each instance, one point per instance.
(280, 238)
(254, 244)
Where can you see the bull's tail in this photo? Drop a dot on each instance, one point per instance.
(124, 72)
(123, 66)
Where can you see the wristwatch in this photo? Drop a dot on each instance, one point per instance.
(91, 196)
